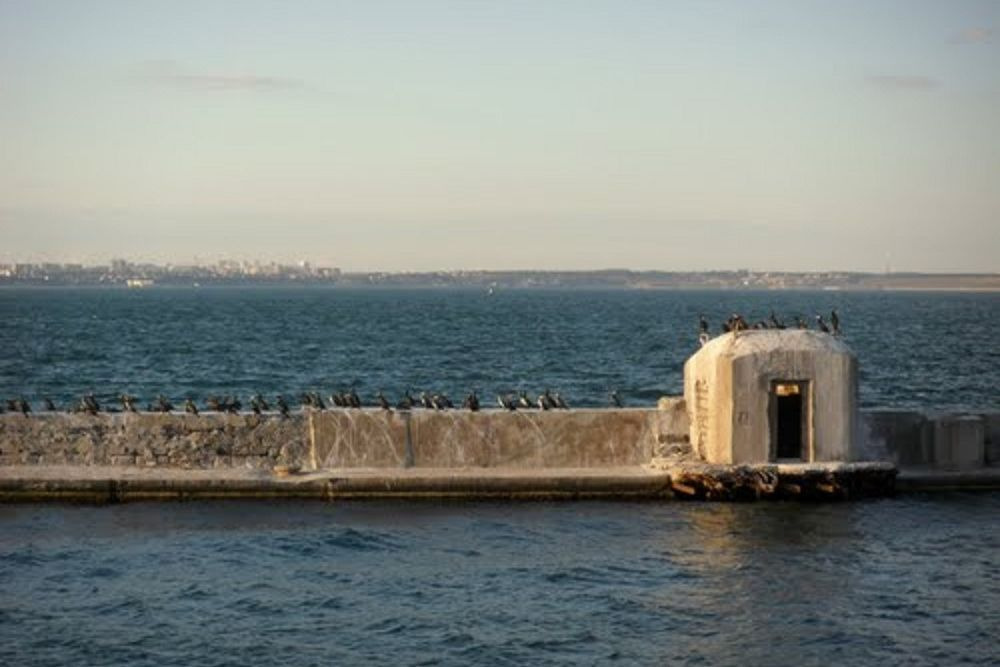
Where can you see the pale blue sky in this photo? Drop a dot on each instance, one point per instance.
(442, 135)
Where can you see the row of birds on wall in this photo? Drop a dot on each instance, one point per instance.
(547, 400)
(736, 323)
(89, 404)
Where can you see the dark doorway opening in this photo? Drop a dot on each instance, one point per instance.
(789, 422)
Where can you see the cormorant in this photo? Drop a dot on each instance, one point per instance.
(382, 401)
(616, 400)
(261, 403)
(282, 406)
(546, 402)
(559, 402)
(425, 400)
(128, 402)
(406, 402)
(523, 401)
(471, 402)
(835, 322)
(338, 400)
(162, 404)
(90, 404)
(821, 325)
(775, 322)
(255, 405)
(702, 324)
(543, 402)
(190, 407)
(441, 402)
(506, 403)
(49, 405)
(23, 406)
(353, 400)
(317, 401)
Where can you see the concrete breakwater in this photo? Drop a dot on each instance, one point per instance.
(340, 453)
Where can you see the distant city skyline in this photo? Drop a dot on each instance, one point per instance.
(399, 136)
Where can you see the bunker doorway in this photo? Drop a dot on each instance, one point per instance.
(789, 430)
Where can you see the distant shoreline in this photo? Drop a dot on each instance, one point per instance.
(467, 287)
(122, 274)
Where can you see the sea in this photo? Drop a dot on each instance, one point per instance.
(917, 350)
(911, 580)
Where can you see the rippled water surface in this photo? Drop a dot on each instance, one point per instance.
(924, 350)
(908, 581)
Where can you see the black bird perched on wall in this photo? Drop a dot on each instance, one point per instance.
(353, 400)
(406, 402)
(128, 402)
(261, 403)
(282, 406)
(23, 406)
(90, 404)
(557, 399)
(382, 401)
(162, 404)
(190, 407)
(835, 322)
(775, 322)
(471, 402)
(821, 325)
(703, 334)
(523, 401)
(255, 405)
(506, 403)
(616, 399)
(317, 401)
(441, 402)
(547, 400)
(425, 400)
(48, 404)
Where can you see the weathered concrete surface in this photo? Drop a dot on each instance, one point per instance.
(490, 439)
(728, 390)
(991, 440)
(121, 484)
(153, 440)
(958, 442)
(899, 436)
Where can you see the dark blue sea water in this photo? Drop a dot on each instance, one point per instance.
(922, 350)
(908, 581)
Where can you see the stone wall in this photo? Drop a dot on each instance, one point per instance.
(455, 439)
(153, 440)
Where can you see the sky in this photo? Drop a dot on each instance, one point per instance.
(375, 135)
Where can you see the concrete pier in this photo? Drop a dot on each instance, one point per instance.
(340, 454)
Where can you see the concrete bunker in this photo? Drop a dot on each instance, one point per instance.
(787, 396)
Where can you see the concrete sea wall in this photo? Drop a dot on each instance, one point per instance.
(347, 439)
(370, 453)
(338, 439)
